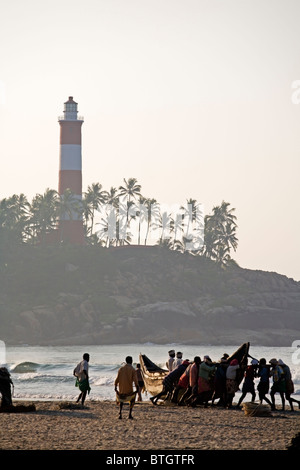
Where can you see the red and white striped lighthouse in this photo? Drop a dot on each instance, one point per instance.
(70, 172)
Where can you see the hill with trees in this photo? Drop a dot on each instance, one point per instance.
(119, 290)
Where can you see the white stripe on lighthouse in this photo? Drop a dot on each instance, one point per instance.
(70, 157)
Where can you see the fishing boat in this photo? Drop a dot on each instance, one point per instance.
(153, 375)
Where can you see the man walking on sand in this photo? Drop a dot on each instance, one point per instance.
(81, 372)
(125, 378)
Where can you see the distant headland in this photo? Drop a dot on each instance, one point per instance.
(70, 295)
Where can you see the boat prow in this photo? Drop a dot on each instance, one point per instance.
(153, 375)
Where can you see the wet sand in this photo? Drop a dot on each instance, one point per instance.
(67, 426)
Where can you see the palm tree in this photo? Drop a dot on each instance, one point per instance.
(44, 213)
(69, 206)
(131, 189)
(108, 227)
(116, 218)
(108, 220)
(13, 219)
(220, 234)
(110, 233)
(190, 212)
(23, 213)
(166, 225)
(20, 205)
(223, 255)
(222, 215)
(87, 214)
(112, 197)
(228, 236)
(209, 249)
(128, 194)
(94, 198)
(178, 227)
(14, 216)
(153, 213)
(194, 216)
(142, 215)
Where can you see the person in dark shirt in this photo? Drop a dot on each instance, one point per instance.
(264, 382)
(289, 384)
(170, 381)
(248, 385)
(140, 381)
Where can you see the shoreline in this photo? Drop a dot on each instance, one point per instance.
(63, 425)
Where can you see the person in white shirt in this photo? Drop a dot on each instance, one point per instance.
(177, 361)
(171, 359)
(81, 372)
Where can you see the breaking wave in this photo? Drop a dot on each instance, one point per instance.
(25, 367)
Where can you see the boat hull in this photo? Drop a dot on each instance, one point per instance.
(152, 375)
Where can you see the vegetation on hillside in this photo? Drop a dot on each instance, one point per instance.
(119, 217)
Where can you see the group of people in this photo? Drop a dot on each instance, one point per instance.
(199, 381)
(191, 383)
(275, 370)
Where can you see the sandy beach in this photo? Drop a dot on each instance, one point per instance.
(67, 426)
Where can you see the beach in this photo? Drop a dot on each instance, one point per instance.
(57, 425)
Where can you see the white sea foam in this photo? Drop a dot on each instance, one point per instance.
(102, 381)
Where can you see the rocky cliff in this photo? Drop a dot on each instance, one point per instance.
(137, 295)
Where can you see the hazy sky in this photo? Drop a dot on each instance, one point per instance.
(194, 98)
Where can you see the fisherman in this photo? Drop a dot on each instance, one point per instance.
(206, 371)
(278, 382)
(171, 359)
(289, 385)
(231, 381)
(182, 385)
(248, 385)
(140, 381)
(205, 382)
(177, 361)
(81, 373)
(192, 389)
(264, 383)
(220, 381)
(170, 381)
(125, 379)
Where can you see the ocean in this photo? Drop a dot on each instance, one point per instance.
(46, 372)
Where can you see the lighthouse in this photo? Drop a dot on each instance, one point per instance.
(70, 174)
